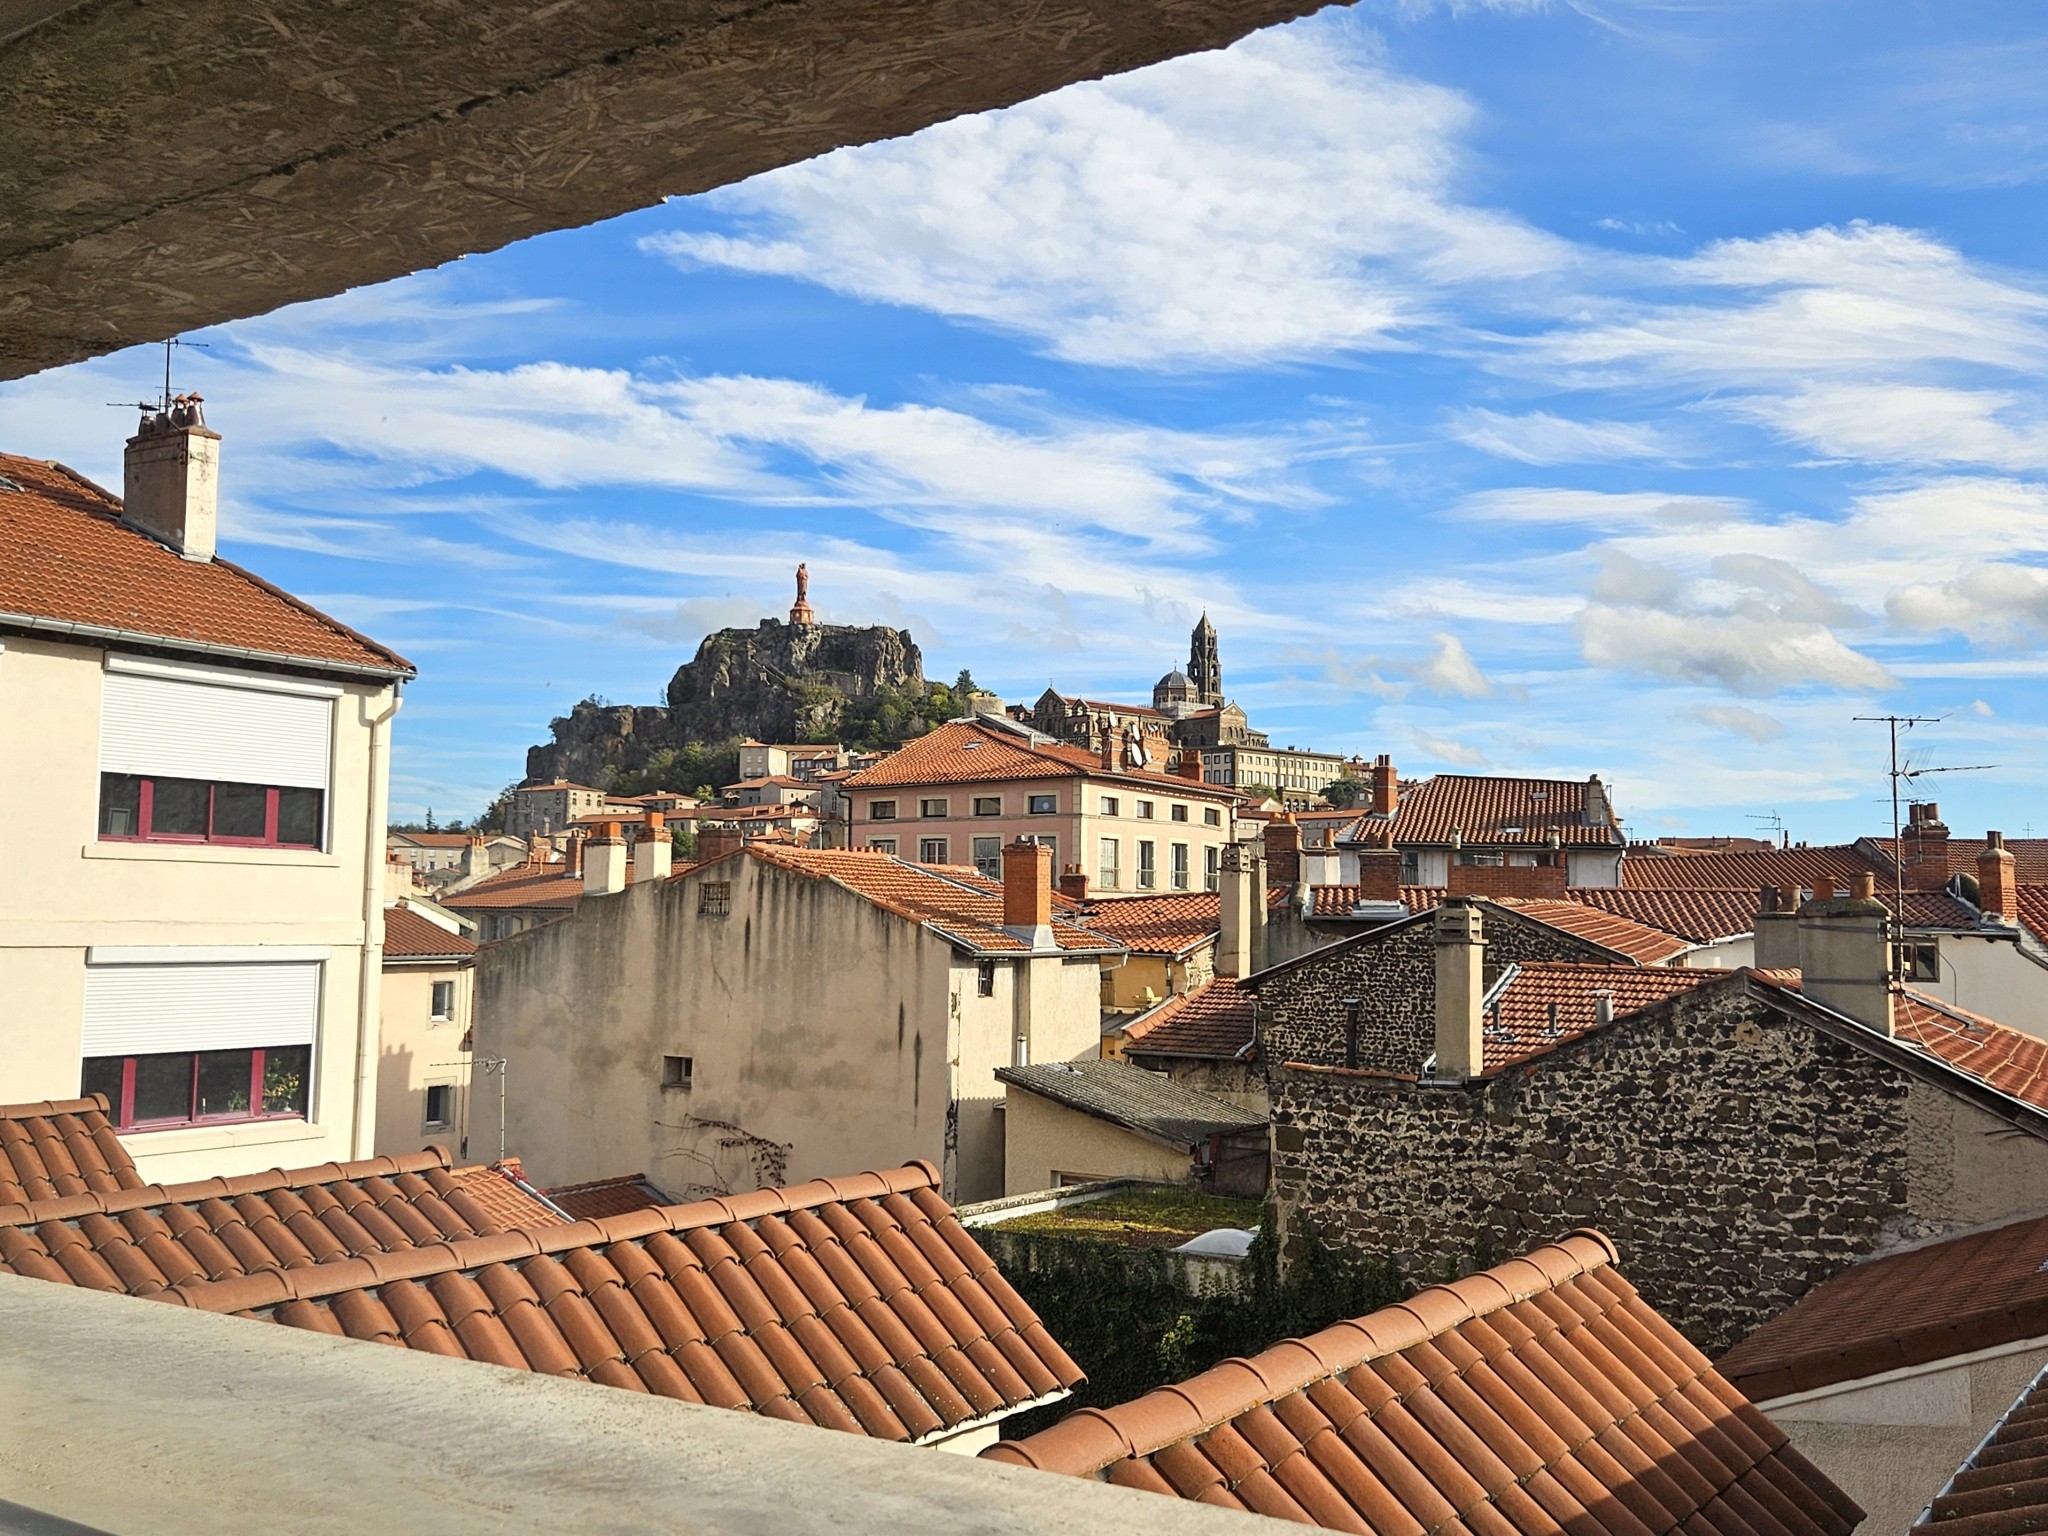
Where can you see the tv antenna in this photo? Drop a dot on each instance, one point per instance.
(1771, 821)
(163, 404)
(1907, 773)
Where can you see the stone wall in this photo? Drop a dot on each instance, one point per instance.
(1393, 970)
(1736, 1155)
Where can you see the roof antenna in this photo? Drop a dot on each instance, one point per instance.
(1896, 772)
(163, 404)
(1772, 822)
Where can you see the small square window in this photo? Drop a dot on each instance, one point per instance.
(1211, 816)
(714, 898)
(1180, 813)
(988, 805)
(444, 1001)
(882, 845)
(678, 1071)
(985, 979)
(1045, 805)
(932, 850)
(988, 856)
(1144, 810)
(933, 808)
(440, 1106)
(1109, 805)
(1920, 962)
(881, 810)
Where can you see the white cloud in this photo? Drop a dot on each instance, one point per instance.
(1744, 654)
(1904, 424)
(1995, 603)
(1541, 438)
(1751, 724)
(1285, 197)
(1446, 750)
(1451, 669)
(1558, 504)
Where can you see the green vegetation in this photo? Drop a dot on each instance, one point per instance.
(1345, 793)
(896, 715)
(1160, 1216)
(1133, 1319)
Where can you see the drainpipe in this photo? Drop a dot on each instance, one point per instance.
(370, 983)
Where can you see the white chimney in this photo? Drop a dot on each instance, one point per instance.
(1460, 991)
(654, 854)
(604, 862)
(1597, 814)
(1845, 954)
(1241, 887)
(170, 479)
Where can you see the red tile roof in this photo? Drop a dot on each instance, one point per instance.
(1702, 914)
(1211, 1021)
(1810, 868)
(859, 1304)
(964, 752)
(1159, 925)
(1333, 901)
(548, 886)
(1972, 1292)
(958, 905)
(151, 1238)
(58, 1147)
(1998, 1490)
(1519, 1022)
(608, 1197)
(2030, 856)
(1480, 808)
(1542, 1396)
(409, 936)
(66, 558)
(1624, 936)
(504, 1196)
(2032, 901)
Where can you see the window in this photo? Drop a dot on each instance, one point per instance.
(881, 845)
(988, 805)
(1411, 868)
(985, 979)
(988, 856)
(440, 1107)
(881, 810)
(164, 1089)
(932, 850)
(678, 1071)
(1180, 866)
(1212, 868)
(138, 808)
(1920, 962)
(444, 1002)
(714, 898)
(1107, 873)
(1144, 810)
(1045, 805)
(1147, 871)
(1211, 816)
(1180, 813)
(1050, 844)
(1110, 805)
(933, 808)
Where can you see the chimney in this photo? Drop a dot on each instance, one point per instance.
(476, 859)
(1027, 893)
(1597, 813)
(1283, 849)
(716, 839)
(604, 862)
(1923, 848)
(1845, 954)
(1241, 887)
(572, 854)
(1109, 762)
(1191, 765)
(1073, 883)
(654, 855)
(1386, 787)
(1996, 880)
(1776, 945)
(1460, 991)
(170, 479)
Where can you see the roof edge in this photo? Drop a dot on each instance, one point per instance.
(106, 634)
(114, 1202)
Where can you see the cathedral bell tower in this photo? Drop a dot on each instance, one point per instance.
(1205, 666)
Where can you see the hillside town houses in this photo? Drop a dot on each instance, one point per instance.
(730, 1094)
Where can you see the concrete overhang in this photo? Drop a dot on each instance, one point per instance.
(171, 164)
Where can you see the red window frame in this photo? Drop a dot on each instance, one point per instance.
(146, 808)
(122, 1109)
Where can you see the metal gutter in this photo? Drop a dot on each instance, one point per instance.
(105, 634)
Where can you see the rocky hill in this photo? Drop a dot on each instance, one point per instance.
(776, 682)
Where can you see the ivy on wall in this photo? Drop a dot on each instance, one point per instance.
(1139, 1318)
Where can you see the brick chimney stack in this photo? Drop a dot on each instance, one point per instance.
(1923, 848)
(716, 839)
(1191, 765)
(1386, 787)
(1460, 991)
(1074, 883)
(654, 854)
(170, 479)
(1997, 882)
(604, 862)
(572, 854)
(1845, 954)
(1283, 849)
(1027, 893)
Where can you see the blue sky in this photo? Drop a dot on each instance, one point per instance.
(1638, 388)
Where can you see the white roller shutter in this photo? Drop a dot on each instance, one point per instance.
(176, 729)
(140, 1009)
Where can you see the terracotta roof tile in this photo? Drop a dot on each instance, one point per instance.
(1542, 1396)
(505, 1197)
(607, 1197)
(859, 1304)
(67, 558)
(1810, 868)
(1625, 936)
(1702, 914)
(1212, 1021)
(961, 905)
(964, 752)
(548, 886)
(2030, 856)
(2033, 909)
(58, 1147)
(1335, 901)
(1520, 1021)
(1159, 925)
(2001, 1489)
(1971, 1292)
(410, 936)
(1481, 808)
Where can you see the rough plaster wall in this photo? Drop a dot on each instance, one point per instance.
(1045, 1139)
(1734, 1162)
